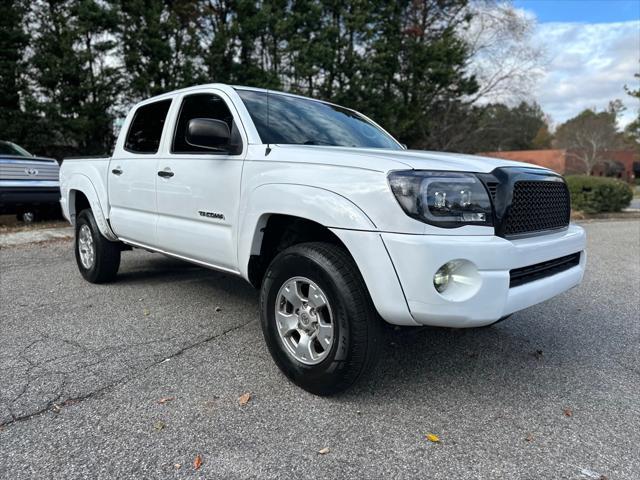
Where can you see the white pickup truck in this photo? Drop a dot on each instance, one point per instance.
(335, 221)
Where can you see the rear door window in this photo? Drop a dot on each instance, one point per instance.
(145, 131)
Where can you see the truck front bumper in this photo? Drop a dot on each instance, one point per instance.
(481, 294)
(16, 198)
(484, 294)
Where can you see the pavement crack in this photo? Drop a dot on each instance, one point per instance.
(202, 341)
(123, 380)
(69, 342)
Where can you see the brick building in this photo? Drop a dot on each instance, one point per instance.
(624, 164)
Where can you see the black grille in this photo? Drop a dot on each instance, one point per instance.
(520, 276)
(493, 189)
(537, 206)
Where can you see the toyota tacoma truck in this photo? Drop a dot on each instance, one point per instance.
(336, 222)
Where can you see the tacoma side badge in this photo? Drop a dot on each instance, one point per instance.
(218, 216)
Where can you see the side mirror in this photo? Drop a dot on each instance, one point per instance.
(208, 133)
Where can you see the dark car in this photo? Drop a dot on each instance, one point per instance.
(29, 185)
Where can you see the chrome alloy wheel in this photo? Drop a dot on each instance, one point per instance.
(304, 320)
(86, 247)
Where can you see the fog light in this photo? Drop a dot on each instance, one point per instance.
(457, 280)
(444, 275)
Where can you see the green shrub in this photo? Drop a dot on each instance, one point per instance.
(598, 194)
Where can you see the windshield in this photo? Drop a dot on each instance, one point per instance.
(8, 148)
(300, 121)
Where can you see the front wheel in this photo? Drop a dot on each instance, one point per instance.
(98, 259)
(26, 217)
(318, 319)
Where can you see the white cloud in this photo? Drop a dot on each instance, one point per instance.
(588, 65)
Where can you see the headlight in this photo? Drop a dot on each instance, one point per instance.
(445, 199)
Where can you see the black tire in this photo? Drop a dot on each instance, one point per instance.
(107, 254)
(357, 326)
(27, 216)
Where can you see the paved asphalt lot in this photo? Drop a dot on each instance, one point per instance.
(82, 368)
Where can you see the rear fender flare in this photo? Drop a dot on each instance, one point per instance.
(81, 183)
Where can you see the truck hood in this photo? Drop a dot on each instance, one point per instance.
(386, 160)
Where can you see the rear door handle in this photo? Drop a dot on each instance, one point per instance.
(116, 171)
(165, 173)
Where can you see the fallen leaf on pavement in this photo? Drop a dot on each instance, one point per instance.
(567, 412)
(432, 437)
(159, 425)
(146, 312)
(244, 399)
(587, 473)
(164, 400)
(529, 438)
(324, 451)
(177, 465)
(197, 463)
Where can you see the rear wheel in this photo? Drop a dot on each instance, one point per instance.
(98, 259)
(318, 319)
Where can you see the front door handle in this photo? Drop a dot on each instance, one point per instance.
(117, 171)
(165, 173)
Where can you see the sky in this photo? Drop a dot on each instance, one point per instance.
(593, 50)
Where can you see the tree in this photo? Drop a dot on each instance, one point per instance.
(414, 68)
(431, 71)
(400, 62)
(158, 44)
(217, 34)
(632, 131)
(589, 135)
(543, 138)
(504, 61)
(73, 83)
(13, 44)
(504, 128)
(499, 127)
(502, 53)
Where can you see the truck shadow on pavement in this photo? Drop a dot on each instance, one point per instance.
(518, 358)
(417, 360)
(160, 269)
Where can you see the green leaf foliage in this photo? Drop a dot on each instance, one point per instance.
(598, 194)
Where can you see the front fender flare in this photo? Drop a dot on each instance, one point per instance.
(311, 203)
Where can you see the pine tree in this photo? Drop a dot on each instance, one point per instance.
(13, 43)
(74, 84)
(415, 68)
(217, 33)
(159, 45)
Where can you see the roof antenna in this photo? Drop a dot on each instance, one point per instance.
(268, 150)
